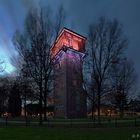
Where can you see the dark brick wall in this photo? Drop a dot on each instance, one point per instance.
(70, 100)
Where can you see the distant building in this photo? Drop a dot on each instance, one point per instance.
(67, 55)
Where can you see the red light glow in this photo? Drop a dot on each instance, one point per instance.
(69, 39)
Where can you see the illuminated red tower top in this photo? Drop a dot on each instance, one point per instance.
(68, 39)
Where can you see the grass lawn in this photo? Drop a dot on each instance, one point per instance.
(42, 133)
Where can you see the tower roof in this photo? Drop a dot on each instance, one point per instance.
(71, 32)
(70, 39)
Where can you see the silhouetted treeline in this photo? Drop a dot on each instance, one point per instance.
(109, 74)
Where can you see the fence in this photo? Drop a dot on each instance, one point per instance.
(104, 122)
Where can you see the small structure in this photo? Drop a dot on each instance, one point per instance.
(67, 55)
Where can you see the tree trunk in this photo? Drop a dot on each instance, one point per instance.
(25, 108)
(121, 112)
(93, 115)
(45, 97)
(99, 103)
(45, 101)
(40, 104)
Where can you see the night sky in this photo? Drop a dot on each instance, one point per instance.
(79, 13)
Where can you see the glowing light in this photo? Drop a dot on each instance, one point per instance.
(69, 39)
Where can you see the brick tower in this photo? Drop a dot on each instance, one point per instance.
(67, 55)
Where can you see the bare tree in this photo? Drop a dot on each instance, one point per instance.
(34, 46)
(4, 93)
(1, 66)
(88, 85)
(107, 43)
(123, 80)
(27, 92)
(14, 100)
(60, 18)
